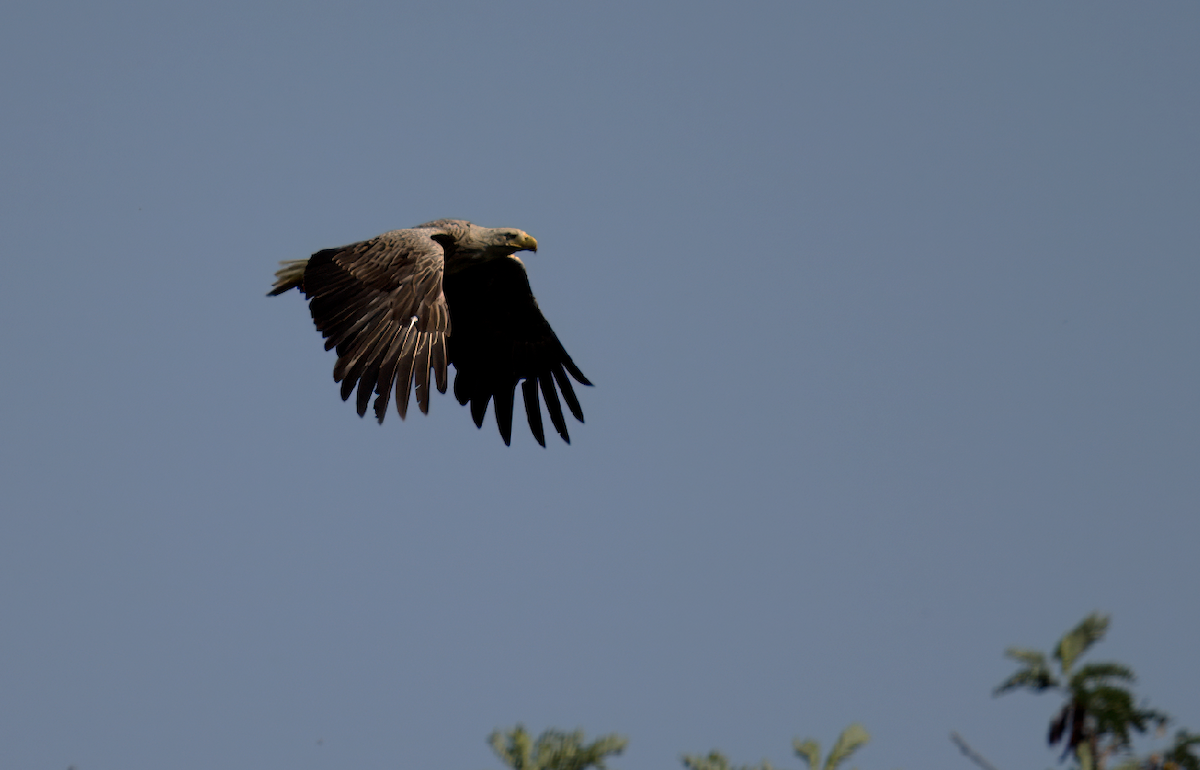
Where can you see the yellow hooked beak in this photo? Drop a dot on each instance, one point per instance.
(527, 242)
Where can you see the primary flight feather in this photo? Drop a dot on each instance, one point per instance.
(407, 303)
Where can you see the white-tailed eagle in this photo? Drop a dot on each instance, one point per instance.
(409, 302)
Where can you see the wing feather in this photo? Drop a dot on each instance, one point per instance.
(533, 410)
(479, 408)
(553, 406)
(504, 411)
(421, 373)
(568, 392)
(350, 365)
(501, 338)
(369, 379)
(387, 373)
(379, 304)
(438, 362)
(404, 376)
(352, 320)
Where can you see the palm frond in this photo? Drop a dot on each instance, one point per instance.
(1089, 631)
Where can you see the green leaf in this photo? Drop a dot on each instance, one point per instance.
(1098, 672)
(513, 748)
(1035, 675)
(1084, 635)
(554, 750)
(717, 761)
(714, 761)
(809, 751)
(1032, 658)
(852, 739)
(1034, 680)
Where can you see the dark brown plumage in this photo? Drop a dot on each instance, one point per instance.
(409, 302)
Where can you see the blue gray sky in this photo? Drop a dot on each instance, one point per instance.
(892, 312)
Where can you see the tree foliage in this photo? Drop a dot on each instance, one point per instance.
(852, 739)
(1097, 722)
(715, 760)
(554, 749)
(1180, 756)
(1099, 715)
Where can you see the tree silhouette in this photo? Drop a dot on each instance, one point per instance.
(554, 749)
(1181, 756)
(1099, 715)
(852, 738)
(1097, 721)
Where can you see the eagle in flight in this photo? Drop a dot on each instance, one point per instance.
(409, 302)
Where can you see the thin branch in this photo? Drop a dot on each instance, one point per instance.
(971, 753)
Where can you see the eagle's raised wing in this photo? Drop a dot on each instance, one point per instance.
(379, 303)
(500, 338)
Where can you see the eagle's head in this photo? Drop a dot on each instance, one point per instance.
(511, 240)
